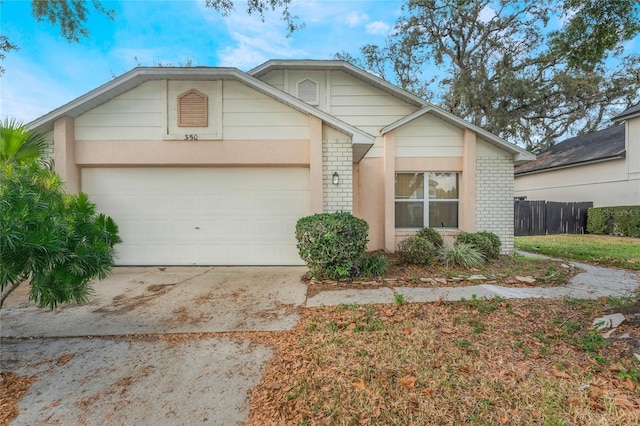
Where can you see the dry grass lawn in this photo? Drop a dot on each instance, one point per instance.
(488, 362)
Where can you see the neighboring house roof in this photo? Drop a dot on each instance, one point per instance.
(278, 64)
(634, 110)
(602, 145)
(361, 140)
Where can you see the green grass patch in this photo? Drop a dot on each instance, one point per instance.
(603, 250)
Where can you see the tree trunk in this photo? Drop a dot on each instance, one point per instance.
(7, 291)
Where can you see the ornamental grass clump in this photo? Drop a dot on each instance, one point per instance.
(332, 244)
(461, 254)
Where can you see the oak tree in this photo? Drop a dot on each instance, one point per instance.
(498, 64)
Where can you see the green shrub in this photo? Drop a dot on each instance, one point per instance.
(461, 254)
(332, 244)
(598, 220)
(372, 265)
(416, 250)
(431, 235)
(620, 220)
(487, 243)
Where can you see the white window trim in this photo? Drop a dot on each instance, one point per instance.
(426, 200)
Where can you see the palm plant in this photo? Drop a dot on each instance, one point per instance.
(19, 144)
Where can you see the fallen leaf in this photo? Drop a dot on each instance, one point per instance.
(523, 368)
(624, 402)
(595, 392)
(408, 381)
(388, 312)
(360, 384)
(365, 421)
(629, 383)
(427, 392)
(326, 388)
(65, 359)
(595, 405)
(504, 419)
(466, 369)
(447, 330)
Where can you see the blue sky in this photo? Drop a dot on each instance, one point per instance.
(48, 72)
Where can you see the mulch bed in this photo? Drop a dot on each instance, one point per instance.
(505, 271)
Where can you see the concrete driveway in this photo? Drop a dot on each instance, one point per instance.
(134, 375)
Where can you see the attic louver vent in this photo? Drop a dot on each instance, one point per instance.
(308, 91)
(192, 109)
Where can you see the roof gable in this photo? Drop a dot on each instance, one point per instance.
(139, 75)
(519, 153)
(601, 145)
(425, 107)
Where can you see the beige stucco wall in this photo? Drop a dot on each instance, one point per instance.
(604, 183)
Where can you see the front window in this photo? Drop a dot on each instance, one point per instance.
(427, 199)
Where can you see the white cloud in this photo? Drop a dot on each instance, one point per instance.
(254, 41)
(378, 28)
(354, 18)
(487, 14)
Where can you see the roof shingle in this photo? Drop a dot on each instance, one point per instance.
(603, 144)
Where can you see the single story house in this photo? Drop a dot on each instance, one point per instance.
(602, 167)
(214, 166)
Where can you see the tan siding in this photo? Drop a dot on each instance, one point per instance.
(249, 114)
(604, 183)
(275, 79)
(137, 114)
(429, 136)
(364, 106)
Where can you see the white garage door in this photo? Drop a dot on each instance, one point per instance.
(202, 216)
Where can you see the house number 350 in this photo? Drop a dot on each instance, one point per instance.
(190, 137)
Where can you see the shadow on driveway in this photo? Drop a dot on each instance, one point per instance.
(136, 373)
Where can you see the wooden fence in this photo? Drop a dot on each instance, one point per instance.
(549, 217)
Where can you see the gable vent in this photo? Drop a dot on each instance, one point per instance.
(308, 91)
(192, 109)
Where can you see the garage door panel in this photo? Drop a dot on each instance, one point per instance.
(215, 216)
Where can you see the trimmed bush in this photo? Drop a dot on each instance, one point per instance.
(416, 250)
(461, 254)
(487, 243)
(372, 265)
(620, 220)
(431, 235)
(332, 244)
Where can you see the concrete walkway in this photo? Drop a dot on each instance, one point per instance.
(594, 282)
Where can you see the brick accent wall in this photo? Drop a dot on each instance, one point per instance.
(494, 198)
(337, 156)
